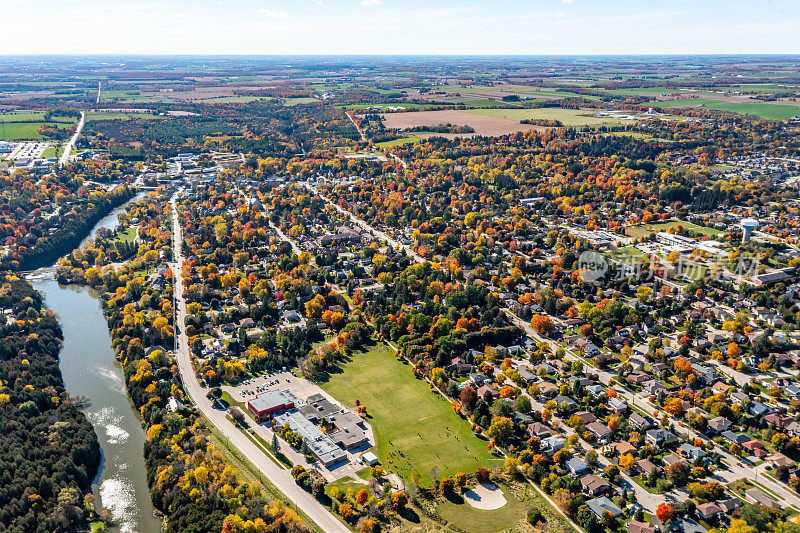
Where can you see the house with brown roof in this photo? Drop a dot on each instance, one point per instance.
(594, 485)
(646, 467)
(600, 431)
(621, 448)
(709, 512)
(641, 527)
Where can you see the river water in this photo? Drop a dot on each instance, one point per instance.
(90, 369)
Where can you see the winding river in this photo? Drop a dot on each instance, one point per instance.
(90, 369)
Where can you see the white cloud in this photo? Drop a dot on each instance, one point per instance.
(274, 13)
(567, 1)
(371, 3)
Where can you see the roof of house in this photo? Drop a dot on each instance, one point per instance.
(601, 505)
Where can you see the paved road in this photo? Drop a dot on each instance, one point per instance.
(277, 475)
(284, 238)
(732, 463)
(383, 235)
(353, 120)
(419, 259)
(71, 143)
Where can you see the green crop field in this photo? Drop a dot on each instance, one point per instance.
(415, 429)
(768, 111)
(231, 99)
(26, 116)
(118, 115)
(18, 131)
(568, 117)
(398, 142)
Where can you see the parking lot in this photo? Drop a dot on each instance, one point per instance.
(299, 390)
(28, 150)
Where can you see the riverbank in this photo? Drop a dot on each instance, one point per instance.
(71, 234)
(90, 369)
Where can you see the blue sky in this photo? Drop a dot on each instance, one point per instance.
(399, 26)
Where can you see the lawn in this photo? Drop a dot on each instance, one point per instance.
(645, 230)
(126, 236)
(568, 117)
(398, 142)
(415, 429)
(512, 516)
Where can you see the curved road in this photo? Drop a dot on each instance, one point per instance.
(277, 475)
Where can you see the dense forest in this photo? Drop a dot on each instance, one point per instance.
(48, 450)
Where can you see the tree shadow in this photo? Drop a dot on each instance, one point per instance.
(454, 498)
(410, 515)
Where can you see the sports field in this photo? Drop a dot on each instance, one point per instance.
(415, 429)
(645, 230)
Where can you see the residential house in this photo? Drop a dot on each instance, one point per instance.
(658, 437)
(577, 466)
(600, 431)
(602, 505)
(594, 485)
(641, 527)
(639, 422)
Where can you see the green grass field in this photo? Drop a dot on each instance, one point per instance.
(232, 99)
(415, 429)
(17, 131)
(118, 115)
(645, 230)
(398, 142)
(568, 117)
(297, 101)
(33, 116)
(767, 111)
(510, 517)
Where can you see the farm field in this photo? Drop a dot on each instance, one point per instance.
(117, 115)
(407, 417)
(15, 131)
(297, 101)
(26, 116)
(763, 110)
(399, 142)
(568, 117)
(481, 120)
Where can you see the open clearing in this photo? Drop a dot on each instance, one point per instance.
(17, 131)
(645, 230)
(763, 110)
(568, 117)
(407, 417)
(481, 121)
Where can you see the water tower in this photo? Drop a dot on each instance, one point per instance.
(748, 225)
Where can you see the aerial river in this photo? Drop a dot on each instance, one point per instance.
(90, 369)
